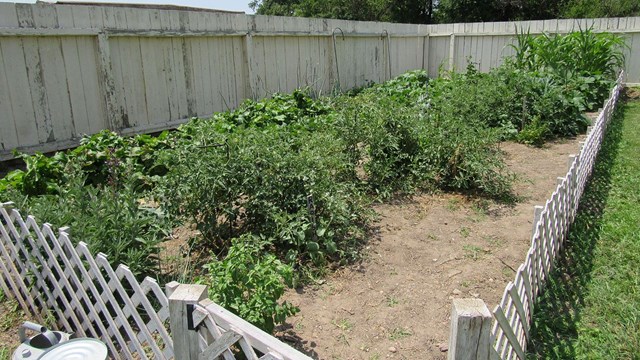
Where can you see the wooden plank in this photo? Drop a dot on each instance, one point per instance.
(72, 261)
(114, 110)
(522, 316)
(508, 332)
(240, 71)
(75, 81)
(35, 75)
(221, 345)
(213, 331)
(215, 74)
(185, 341)
(260, 340)
(57, 88)
(470, 327)
(8, 15)
(8, 133)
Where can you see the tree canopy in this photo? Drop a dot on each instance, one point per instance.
(447, 11)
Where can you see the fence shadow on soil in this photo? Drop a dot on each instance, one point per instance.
(559, 308)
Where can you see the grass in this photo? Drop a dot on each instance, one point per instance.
(591, 307)
(399, 333)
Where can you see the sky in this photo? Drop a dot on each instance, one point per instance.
(238, 5)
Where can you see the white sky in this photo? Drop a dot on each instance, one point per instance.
(238, 5)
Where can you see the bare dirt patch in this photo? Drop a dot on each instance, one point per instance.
(430, 249)
(11, 317)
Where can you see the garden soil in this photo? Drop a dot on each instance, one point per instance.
(427, 250)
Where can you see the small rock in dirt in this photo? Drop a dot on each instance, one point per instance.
(392, 349)
(456, 292)
(490, 279)
(475, 295)
(443, 347)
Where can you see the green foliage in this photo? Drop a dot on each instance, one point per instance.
(288, 186)
(41, 176)
(533, 133)
(447, 11)
(249, 281)
(110, 221)
(403, 11)
(556, 78)
(405, 140)
(584, 53)
(580, 9)
(105, 156)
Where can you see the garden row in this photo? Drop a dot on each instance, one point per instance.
(285, 183)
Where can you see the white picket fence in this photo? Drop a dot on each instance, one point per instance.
(53, 279)
(509, 333)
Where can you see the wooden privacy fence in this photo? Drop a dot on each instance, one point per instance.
(53, 279)
(68, 70)
(474, 333)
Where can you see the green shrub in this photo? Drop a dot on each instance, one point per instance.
(288, 186)
(577, 57)
(249, 282)
(42, 175)
(110, 221)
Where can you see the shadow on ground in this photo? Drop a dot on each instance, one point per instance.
(558, 310)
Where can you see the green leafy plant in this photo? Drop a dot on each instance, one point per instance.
(249, 281)
(42, 175)
(112, 222)
(291, 187)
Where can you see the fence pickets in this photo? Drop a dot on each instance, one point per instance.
(513, 315)
(55, 281)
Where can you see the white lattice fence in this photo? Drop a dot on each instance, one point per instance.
(51, 278)
(209, 331)
(513, 316)
(48, 275)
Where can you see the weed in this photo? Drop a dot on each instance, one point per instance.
(392, 301)
(473, 252)
(343, 324)
(399, 333)
(465, 232)
(249, 282)
(453, 204)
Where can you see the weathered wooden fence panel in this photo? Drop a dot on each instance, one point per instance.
(70, 70)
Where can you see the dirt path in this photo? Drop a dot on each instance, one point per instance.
(430, 249)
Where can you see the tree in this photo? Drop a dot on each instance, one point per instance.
(400, 11)
(447, 11)
(600, 8)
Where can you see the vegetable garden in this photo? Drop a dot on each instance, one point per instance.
(282, 190)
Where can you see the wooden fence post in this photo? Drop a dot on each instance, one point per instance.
(470, 337)
(182, 297)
